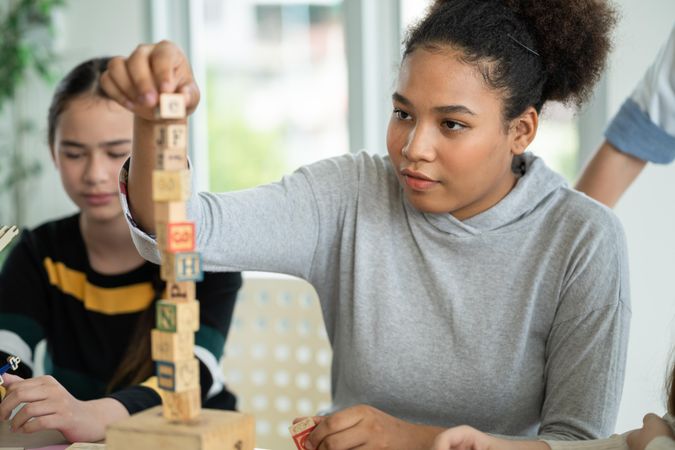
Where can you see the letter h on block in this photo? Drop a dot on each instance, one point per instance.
(181, 267)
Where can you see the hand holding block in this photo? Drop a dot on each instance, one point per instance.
(170, 185)
(171, 106)
(171, 136)
(181, 267)
(176, 237)
(182, 291)
(177, 376)
(175, 316)
(182, 406)
(172, 346)
(168, 212)
(212, 430)
(301, 430)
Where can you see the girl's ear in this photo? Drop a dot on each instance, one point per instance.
(523, 129)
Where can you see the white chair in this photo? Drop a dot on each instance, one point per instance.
(277, 356)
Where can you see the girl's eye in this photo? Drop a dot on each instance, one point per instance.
(401, 115)
(452, 125)
(69, 155)
(118, 155)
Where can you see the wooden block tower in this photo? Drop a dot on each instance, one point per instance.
(184, 425)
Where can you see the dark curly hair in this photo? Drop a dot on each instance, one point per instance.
(531, 50)
(82, 79)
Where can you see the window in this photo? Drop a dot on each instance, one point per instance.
(277, 93)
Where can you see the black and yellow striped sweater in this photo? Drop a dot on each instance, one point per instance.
(49, 291)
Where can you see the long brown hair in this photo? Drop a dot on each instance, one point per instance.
(136, 365)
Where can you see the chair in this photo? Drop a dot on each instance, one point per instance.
(277, 356)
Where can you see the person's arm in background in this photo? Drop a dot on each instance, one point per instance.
(642, 131)
(609, 173)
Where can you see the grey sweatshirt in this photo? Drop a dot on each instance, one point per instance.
(514, 321)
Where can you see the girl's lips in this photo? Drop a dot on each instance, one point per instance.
(419, 184)
(417, 180)
(99, 199)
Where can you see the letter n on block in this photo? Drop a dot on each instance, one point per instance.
(177, 376)
(181, 267)
(176, 237)
(175, 316)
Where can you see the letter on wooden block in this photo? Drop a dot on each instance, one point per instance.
(170, 185)
(176, 237)
(172, 346)
(181, 267)
(183, 291)
(177, 376)
(171, 159)
(172, 136)
(175, 316)
(182, 406)
(171, 106)
(213, 430)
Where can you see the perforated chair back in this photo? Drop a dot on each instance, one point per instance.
(277, 356)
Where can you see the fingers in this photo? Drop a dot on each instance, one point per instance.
(10, 379)
(25, 391)
(30, 411)
(48, 422)
(335, 424)
(141, 75)
(117, 84)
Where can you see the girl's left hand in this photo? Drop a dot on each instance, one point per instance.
(653, 427)
(48, 405)
(365, 427)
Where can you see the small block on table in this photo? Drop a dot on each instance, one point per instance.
(211, 430)
(171, 106)
(300, 431)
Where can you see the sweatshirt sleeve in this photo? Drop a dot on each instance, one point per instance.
(645, 125)
(271, 228)
(586, 347)
(24, 308)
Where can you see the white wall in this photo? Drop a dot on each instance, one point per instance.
(83, 29)
(648, 215)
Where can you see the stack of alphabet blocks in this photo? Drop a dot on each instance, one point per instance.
(180, 423)
(178, 311)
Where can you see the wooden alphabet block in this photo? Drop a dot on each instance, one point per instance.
(170, 185)
(171, 136)
(172, 346)
(171, 159)
(167, 212)
(182, 291)
(181, 267)
(182, 406)
(176, 237)
(174, 316)
(171, 106)
(211, 430)
(177, 376)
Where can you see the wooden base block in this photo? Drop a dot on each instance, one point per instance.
(213, 429)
